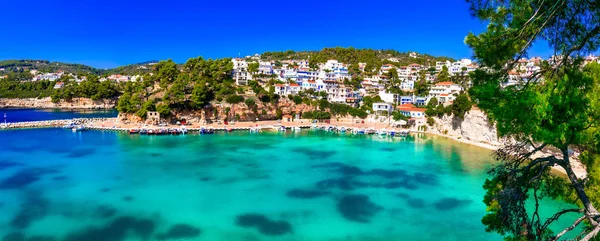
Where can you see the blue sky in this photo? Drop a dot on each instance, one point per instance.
(110, 33)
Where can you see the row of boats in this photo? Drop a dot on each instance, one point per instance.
(209, 130)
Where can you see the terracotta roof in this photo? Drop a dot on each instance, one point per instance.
(412, 109)
(287, 116)
(294, 85)
(443, 94)
(445, 83)
(280, 85)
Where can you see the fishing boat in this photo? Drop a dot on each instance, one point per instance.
(254, 129)
(134, 131)
(143, 132)
(183, 130)
(69, 126)
(342, 130)
(382, 132)
(402, 133)
(314, 127)
(370, 131)
(296, 128)
(392, 133)
(281, 128)
(78, 128)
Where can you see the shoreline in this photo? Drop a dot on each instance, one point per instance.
(111, 124)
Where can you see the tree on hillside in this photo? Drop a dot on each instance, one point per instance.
(443, 75)
(393, 75)
(166, 72)
(557, 108)
(253, 67)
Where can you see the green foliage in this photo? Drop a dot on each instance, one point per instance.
(163, 109)
(253, 67)
(250, 102)
(444, 75)
(297, 99)
(461, 105)
(234, 99)
(557, 108)
(430, 121)
(368, 102)
(397, 115)
(317, 115)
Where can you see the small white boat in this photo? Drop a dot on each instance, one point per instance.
(254, 129)
(370, 131)
(78, 128)
(296, 128)
(382, 132)
(282, 128)
(314, 127)
(342, 130)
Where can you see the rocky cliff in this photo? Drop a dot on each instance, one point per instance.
(475, 128)
(241, 112)
(44, 103)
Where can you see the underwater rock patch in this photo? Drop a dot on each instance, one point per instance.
(41, 238)
(263, 224)
(415, 202)
(357, 208)
(315, 154)
(305, 194)
(34, 207)
(8, 164)
(445, 204)
(78, 153)
(25, 177)
(180, 232)
(116, 230)
(14, 237)
(59, 178)
(105, 211)
(128, 198)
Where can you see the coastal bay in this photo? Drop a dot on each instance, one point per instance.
(310, 185)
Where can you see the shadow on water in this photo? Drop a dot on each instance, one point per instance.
(180, 232)
(33, 207)
(446, 204)
(81, 152)
(25, 177)
(263, 224)
(357, 208)
(117, 230)
(305, 194)
(5, 164)
(389, 179)
(314, 154)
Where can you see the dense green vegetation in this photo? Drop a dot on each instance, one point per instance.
(558, 110)
(352, 56)
(45, 66)
(15, 89)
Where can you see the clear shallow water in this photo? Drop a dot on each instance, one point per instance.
(19, 115)
(239, 186)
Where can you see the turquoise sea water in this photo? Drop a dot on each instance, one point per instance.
(60, 185)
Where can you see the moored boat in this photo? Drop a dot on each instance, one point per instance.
(134, 131)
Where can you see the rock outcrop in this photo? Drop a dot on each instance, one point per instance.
(474, 128)
(240, 112)
(46, 103)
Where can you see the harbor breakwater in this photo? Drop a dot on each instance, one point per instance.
(52, 123)
(46, 103)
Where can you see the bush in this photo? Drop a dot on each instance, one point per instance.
(319, 115)
(297, 99)
(234, 99)
(250, 102)
(430, 121)
(461, 106)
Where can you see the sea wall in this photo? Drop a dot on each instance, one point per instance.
(475, 128)
(46, 103)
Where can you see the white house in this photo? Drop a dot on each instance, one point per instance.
(240, 71)
(444, 91)
(411, 111)
(379, 108)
